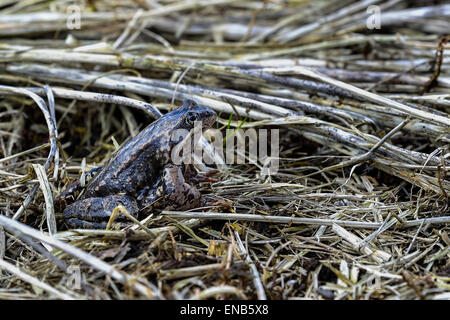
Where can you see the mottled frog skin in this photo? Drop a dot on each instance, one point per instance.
(140, 173)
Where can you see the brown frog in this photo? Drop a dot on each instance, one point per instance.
(140, 173)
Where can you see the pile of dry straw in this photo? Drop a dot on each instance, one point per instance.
(359, 91)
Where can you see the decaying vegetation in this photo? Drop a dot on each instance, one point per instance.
(357, 210)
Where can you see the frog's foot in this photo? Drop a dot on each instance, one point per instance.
(212, 201)
(94, 213)
(191, 175)
(70, 193)
(73, 190)
(203, 178)
(178, 193)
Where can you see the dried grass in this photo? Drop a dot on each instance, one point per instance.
(358, 209)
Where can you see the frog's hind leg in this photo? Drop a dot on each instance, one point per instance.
(148, 197)
(94, 213)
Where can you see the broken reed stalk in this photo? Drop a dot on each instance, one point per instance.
(296, 220)
(255, 274)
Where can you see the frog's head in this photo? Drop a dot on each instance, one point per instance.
(176, 129)
(180, 125)
(186, 116)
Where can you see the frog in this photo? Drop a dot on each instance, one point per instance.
(140, 173)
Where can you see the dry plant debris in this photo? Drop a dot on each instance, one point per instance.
(357, 210)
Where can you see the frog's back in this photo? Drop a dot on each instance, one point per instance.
(136, 164)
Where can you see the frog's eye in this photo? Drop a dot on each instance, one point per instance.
(190, 119)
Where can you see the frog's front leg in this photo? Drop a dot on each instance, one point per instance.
(94, 213)
(178, 193)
